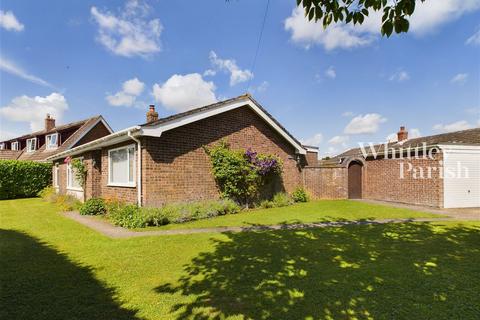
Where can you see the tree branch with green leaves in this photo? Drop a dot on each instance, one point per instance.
(395, 17)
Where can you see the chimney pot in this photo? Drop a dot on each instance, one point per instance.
(49, 123)
(402, 135)
(152, 115)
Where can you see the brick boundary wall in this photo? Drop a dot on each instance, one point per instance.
(326, 183)
(382, 181)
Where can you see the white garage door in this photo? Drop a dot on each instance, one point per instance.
(461, 177)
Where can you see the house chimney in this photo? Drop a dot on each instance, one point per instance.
(49, 123)
(402, 134)
(152, 115)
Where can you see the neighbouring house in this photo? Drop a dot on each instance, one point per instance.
(441, 171)
(53, 139)
(163, 160)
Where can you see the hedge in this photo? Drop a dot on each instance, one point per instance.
(22, 179)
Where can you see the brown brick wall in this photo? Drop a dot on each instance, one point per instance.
(326, 183)
(176, 167)
(311, 158)
(98, 131)
(382, 181)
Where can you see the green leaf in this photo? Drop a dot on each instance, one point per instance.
(387, 29)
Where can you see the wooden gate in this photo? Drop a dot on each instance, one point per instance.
(355, 180)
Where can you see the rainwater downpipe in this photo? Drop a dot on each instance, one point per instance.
(139, 168)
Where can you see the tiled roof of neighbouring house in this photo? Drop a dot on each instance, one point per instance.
(463, 137)
(79, 128)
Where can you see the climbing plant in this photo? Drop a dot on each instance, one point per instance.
(241, 173)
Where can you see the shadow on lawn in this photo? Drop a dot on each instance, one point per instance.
(389, 271)
(38, 282)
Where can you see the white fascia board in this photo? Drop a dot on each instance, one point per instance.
(459, 148)
(157, 130)
(309, 149)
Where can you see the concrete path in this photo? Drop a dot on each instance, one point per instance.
(118, 232)
(457, 213)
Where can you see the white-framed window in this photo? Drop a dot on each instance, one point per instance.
(72, 181)
(15, 145)
(2, 146)
(121, 166)
(31, 144)
(56, 169)
(51, 141)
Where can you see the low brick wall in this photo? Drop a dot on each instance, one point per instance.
(382, 181)
(326, 183)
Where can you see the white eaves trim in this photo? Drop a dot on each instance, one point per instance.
(114, 138)
(310, 149)
(157, 130)
(459, 148)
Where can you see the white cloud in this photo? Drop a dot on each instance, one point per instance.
(339, 140)
(34, 109)
(414, 133)
(209, 73)
(237, 75)
(331, 73)
(131, 89)
(474, 39)
(399, 76)
(5, 134)
(120, 99)
(184, 92)
(368, 123)
(9, 22)
(308, 33)
(454, 126)
(428, 17)
(262, 87)
(314, 140)
(460, 78)
(15, 70)
(130, 33)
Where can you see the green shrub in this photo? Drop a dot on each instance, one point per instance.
(282, 199)
(48, 194)
(266, 204)
(22, 179)
(93, 206)
(241, 173)
(129, 216)
(300, 195)
(65, 202)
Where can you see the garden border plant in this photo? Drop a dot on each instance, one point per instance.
(241, 174)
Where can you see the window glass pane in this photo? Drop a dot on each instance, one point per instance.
(52, 141)
(72, 181)
(131, 164)
(119, 166)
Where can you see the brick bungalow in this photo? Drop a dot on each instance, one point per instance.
(53, 139)
(440, 171)
(163, 160)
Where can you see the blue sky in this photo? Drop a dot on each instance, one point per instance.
(332, 88)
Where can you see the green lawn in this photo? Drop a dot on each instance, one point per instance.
(54, 268)
(314, 211)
